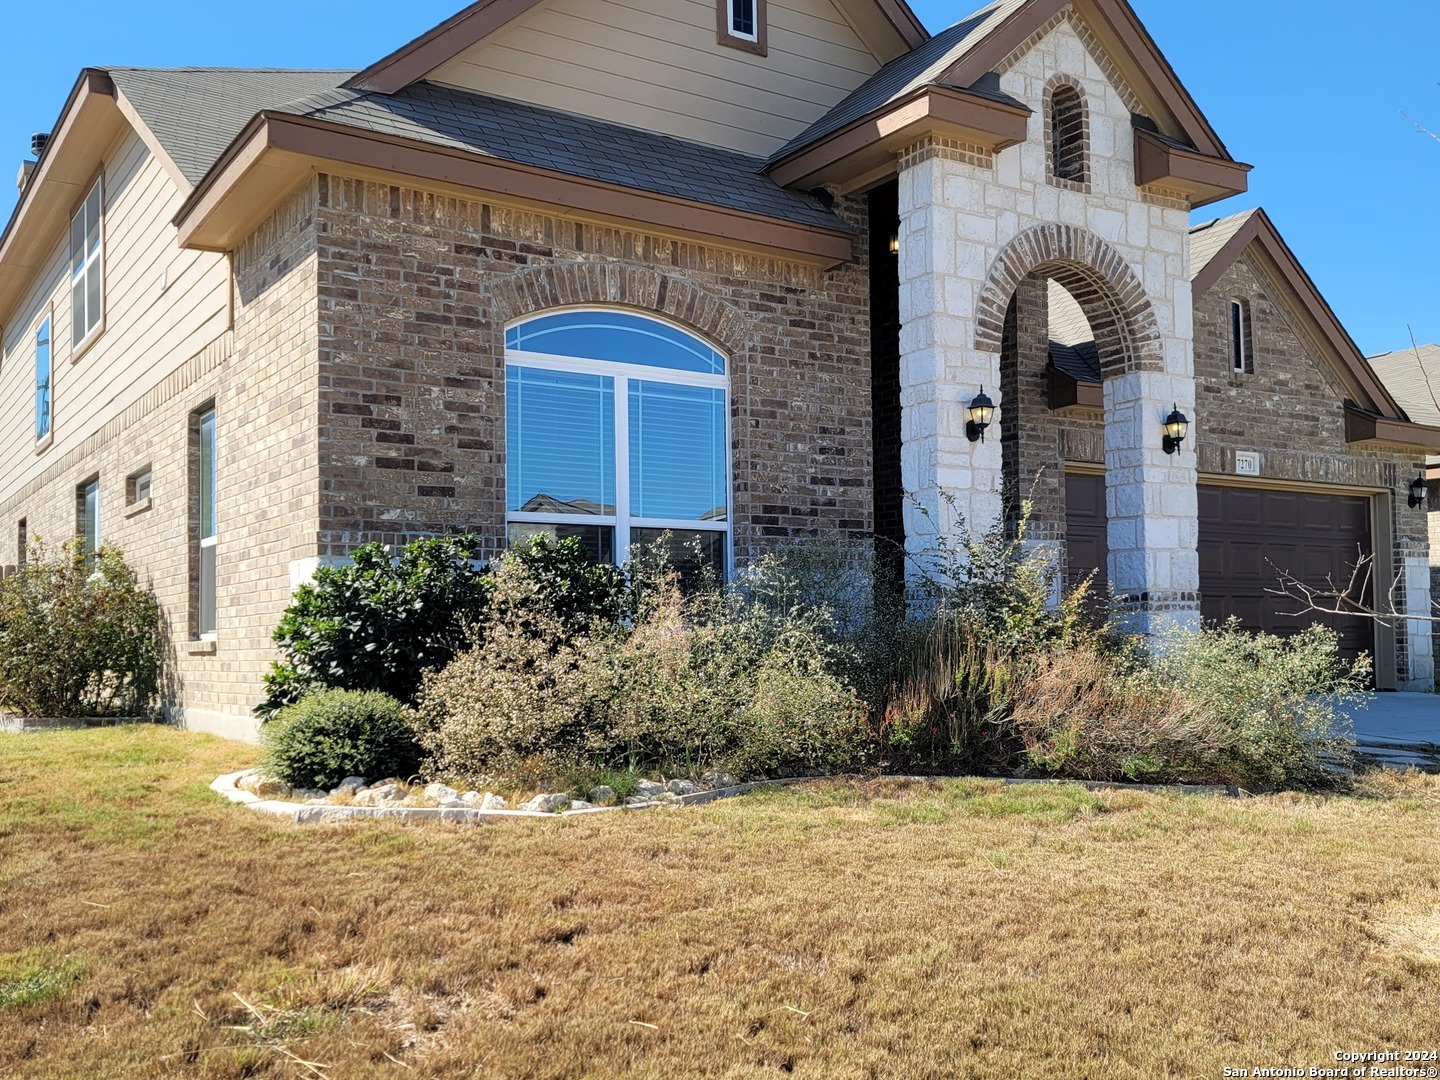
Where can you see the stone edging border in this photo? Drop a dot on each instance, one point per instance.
(305, 814)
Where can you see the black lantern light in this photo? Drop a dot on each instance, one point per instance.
(981, 412)
(1177, 425)
(1418, 490)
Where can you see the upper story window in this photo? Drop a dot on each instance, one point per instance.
(87, 267)
(616, 433)
(1069, 135)
(741, 24)
(44, 380)
(1242, 358)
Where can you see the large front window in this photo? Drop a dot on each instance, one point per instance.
(616, 433)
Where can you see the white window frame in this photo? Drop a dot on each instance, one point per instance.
(1240, 360)
(213, 540)
(622, 521)
(92, 263)
(42, 441)
(84, 500)
(730, 21)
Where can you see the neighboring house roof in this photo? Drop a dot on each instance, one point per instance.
(195, 113)
(1072, 342)
(567, 143)
(1413, 377)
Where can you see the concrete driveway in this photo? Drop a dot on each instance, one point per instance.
(1401, 730)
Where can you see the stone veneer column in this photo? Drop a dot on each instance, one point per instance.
(1151, 499)
(941, 371)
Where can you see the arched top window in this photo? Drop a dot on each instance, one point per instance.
(1068, 135)
(615, 336)
(617, 432)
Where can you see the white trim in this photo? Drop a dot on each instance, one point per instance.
(622, 469)
(93, 260)
(614, 369)
(1240, 362)
(525, 516)
(754, 35)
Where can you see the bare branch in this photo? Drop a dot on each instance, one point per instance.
(1419, 126)
(1349, 600)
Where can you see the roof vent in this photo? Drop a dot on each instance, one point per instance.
(38, 142)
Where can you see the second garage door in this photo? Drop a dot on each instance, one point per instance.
(1247, 536)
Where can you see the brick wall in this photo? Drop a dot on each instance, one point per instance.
(261, 379)
(416, 290)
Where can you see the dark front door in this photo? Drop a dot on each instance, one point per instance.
(1248, 536)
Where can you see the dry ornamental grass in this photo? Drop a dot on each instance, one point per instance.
(955, 929)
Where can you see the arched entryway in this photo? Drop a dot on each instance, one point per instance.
(1149, 494)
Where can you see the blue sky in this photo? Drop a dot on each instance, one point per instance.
(1313, 102)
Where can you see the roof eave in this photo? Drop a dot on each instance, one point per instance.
(864, 151)
(1365, 428)
(1203, 178)
(88, 119)
(278, 149)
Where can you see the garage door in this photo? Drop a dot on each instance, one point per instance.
(1243, 531)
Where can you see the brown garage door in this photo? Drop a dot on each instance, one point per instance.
(1243, 531)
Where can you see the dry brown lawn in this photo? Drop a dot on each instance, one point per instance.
(842, 930)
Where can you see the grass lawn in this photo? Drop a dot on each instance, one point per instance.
(840, 930)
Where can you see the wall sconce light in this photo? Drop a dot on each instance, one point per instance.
(980, 412)
(1177, 426)
(1419, 489)
(895, 245)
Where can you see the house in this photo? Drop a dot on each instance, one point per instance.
(746, 271)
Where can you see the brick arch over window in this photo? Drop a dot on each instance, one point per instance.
(1096, 275)
(559, 285)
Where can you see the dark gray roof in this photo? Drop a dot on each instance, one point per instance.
(908, 73)
(196, 113)
(571, 144)
(1413, 378)
(1081, 362)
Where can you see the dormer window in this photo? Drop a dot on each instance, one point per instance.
(1069, 136)
(1242, 352)
(741, 24)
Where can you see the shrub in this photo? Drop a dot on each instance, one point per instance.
(319, 741)
(520, 702)
(1276, 707)
(554, 587)
(378, 623)
(1087, 714)
(79, 635)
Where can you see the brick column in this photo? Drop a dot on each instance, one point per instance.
(1151, 499)
(940, 369)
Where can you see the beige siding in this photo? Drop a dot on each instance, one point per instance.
(658, 66)
(162, 306)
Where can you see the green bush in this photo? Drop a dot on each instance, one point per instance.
(1277, 708)
(377, 624)
(320, 740)
(79, 635)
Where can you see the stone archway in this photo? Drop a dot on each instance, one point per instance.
(1106, 287)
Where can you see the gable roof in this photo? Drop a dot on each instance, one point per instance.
(413, 61)
(965, 55)
(1215, 247)
(1413, 377)
(195, 113)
